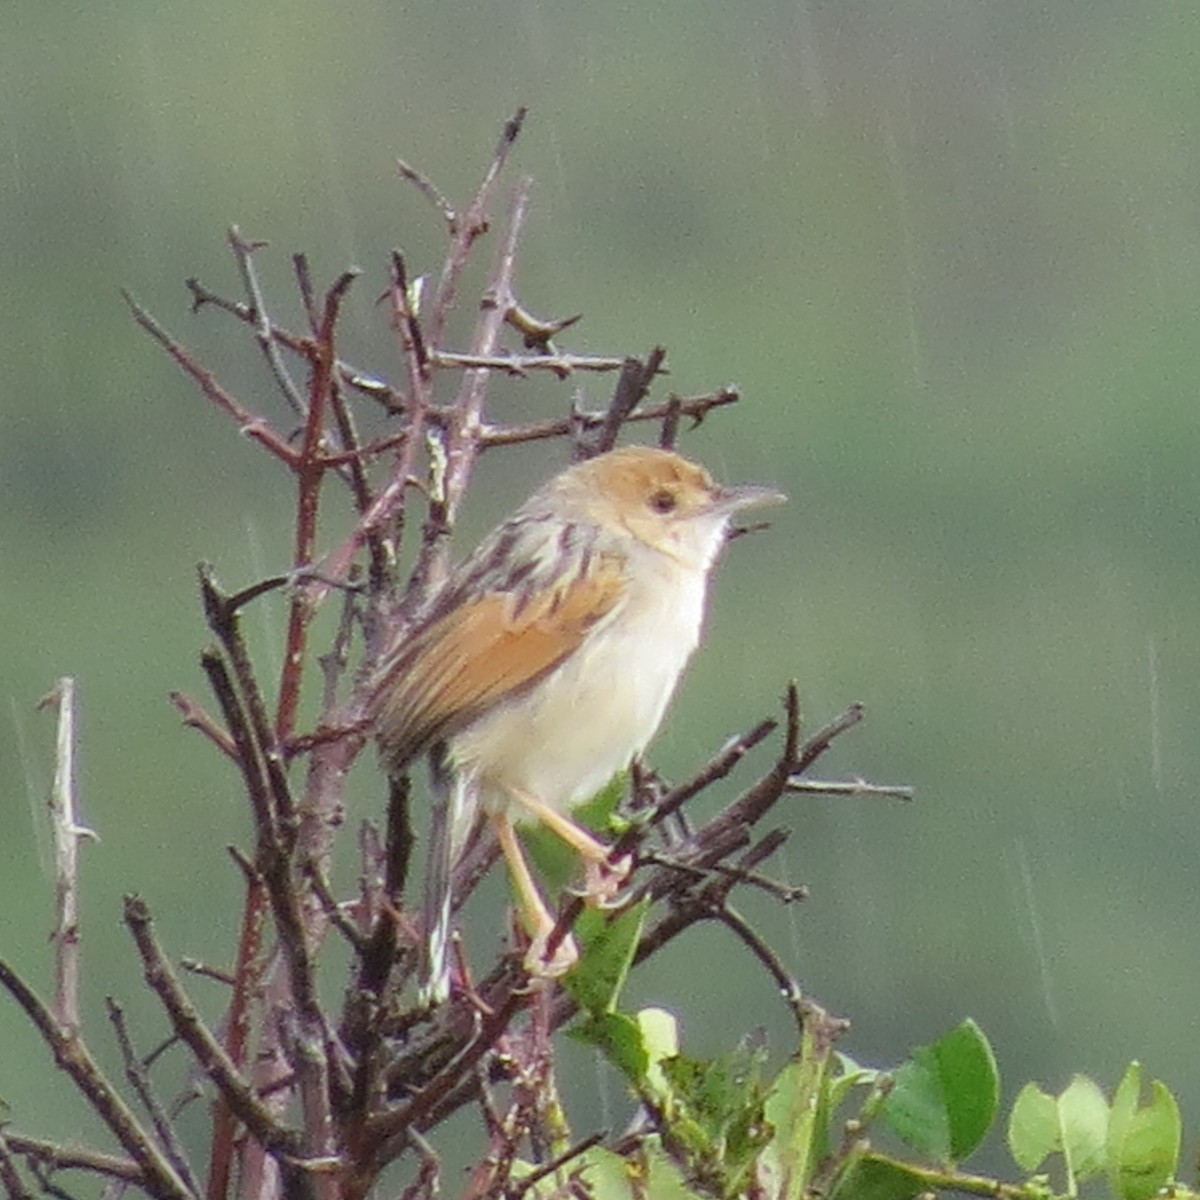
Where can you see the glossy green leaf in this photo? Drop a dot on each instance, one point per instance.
(914, 1109)
(619, 1039)
(607, 943)
(873, 1177)
(970, 1086)
(944, 1099)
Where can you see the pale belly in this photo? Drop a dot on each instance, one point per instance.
(566, 738)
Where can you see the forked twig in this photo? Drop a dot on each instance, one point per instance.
(158, 1176)
(139, 1080)
(243, 253)
(255, 427)
(210, 1054)
(468, 226)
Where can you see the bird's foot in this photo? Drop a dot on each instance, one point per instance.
(604, 878)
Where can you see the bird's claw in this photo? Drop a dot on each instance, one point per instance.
(565, 956)
(603, 880)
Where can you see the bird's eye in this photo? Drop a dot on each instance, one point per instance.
(663, 501)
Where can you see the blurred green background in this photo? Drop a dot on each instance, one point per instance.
(950, 254)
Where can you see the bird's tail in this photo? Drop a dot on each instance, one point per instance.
(454, 811)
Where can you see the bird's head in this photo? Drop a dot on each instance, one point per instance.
(663, 500)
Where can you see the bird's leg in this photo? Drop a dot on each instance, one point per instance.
(539, 918)
(603, 878)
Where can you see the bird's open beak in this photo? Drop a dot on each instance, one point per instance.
(734, 499)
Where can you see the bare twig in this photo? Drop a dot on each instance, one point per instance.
(207, 971)
(789, 987)
(255, 427)
(10, 1177)
(246, 980)
(388, 502)
(333, 661)
(194, 717)
(54, 1156)
(632, 387)
(428, 189)
(136, 1073)
(407, 323)
(457, 446)
(158, 1176)
(304, 284)
(469, 226)
(515, 1191)
(717, 767)
(423, 1111)
(243, 253)
(332, 909)
(354, 456)
(354, 377)
(520, 365)
(310, 471)
(754, 803)
(247, 756)
(785, 893)
(695, 407)
(255, 739)
(853, 788)
(209, 1053)
(68, 833)
(669, 434)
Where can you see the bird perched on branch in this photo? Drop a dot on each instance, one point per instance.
(545, 664)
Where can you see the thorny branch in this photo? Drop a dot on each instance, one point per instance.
(309, 1101)
(68, 833)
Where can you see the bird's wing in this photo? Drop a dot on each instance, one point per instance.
(487, 647)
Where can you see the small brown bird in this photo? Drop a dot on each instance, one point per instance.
(546, 662)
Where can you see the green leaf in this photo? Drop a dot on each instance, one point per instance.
(797, 1110)
(660, 1036)
(874, 1177)
(850, 1076)
(914, 1109)
(597, 813)
(1083, 1119)
(648, 1175)
(1033, 1133)
(1074, 1124)
(970, 1086)
(557, 864)
(713, 1116)
(944, 1099)
(663, 1178)
(607, 943)
(1143, 1140)
(618, 1037)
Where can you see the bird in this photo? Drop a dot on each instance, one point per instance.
(545, 664)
